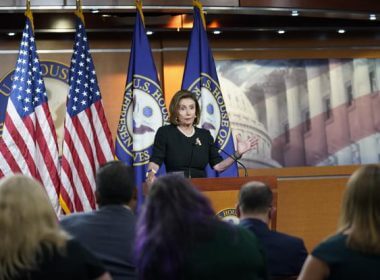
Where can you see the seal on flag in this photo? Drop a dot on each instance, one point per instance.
(228, 215)
(143, 112)
(55, 76)
(214, 115)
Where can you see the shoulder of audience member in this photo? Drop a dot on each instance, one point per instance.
(75, 217)
(238, 232)
(290, 238)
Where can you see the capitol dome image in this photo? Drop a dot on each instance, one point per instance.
(244, 121)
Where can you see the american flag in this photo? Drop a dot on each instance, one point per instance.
(87, 139)
(29, 142)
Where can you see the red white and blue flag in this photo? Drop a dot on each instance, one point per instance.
(87, 140)
(29, 142)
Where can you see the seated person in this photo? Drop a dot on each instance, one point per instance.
(179, 237)
(109, 232)
(32, 246)
(285, 254)
(354, 251)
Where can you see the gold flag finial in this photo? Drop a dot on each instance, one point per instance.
(198, 4)
(28, 13)
(139, 9)
(78, 11)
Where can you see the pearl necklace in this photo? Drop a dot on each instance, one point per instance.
(187, 134)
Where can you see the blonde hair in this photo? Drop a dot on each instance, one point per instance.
(360, 213)
(27, 221)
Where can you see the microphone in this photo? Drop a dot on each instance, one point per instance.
(236, 160)
(191, 158)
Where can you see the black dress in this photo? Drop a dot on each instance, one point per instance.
(185, 154)
(346, 263)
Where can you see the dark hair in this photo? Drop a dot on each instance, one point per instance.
(255, 197)
(114, 183)
(174, 106)
(173, 216)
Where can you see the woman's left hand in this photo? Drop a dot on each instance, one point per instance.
(244, 146)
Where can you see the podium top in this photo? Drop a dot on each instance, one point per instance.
(231, 183)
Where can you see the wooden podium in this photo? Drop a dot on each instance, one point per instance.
(223, 192)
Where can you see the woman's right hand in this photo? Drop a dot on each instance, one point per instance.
(150, 179)
(148, 183)
(151, 173)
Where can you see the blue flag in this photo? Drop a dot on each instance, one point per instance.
(200, 77)
(143, 110)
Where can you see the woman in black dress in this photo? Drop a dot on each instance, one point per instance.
(353, 252)
(185, 148)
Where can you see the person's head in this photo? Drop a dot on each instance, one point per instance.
(174, 211)
(184, 108)
(360, 213)
(255, 198)
(27, 221)
(115, 183)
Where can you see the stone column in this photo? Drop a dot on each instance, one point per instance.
(295, 151)
(361, 117)
(337, 127)
(315, 139)
(273, 120)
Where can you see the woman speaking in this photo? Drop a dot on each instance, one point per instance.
(185, 148)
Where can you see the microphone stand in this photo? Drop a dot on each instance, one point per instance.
(191, 159)
(237, 161)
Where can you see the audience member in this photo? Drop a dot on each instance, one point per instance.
(109, 232)
(32, 246)
(285, 254)
(179, 237)
(354, 252)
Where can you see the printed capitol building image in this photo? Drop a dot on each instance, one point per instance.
(305, 112)
(244, 120)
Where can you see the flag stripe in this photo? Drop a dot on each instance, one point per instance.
(80, 129)
(78, 166)
(46, 145)
(8, 163)
(20, 153)
(102, 135)
(66, 197)
(68, 182)
(44, 174)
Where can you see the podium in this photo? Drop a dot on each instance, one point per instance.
(223, 192)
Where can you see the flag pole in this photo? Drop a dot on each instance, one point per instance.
(139, 9)
(79, 11)
(198, 4)
(28, 13)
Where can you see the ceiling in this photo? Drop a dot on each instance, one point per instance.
(316, 18)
